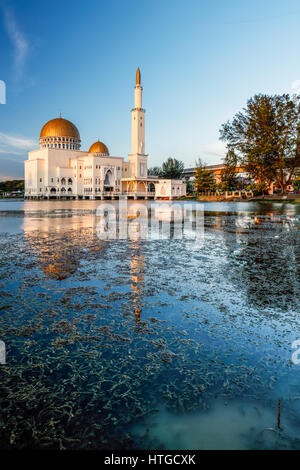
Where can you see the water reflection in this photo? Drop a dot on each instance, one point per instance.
(137, 263)
(94, 381)
(59, 242)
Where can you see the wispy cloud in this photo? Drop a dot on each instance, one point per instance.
(4, 177)
(20, 43)
(13, 151)
(216, 149)
(12, 141)
(11, 168)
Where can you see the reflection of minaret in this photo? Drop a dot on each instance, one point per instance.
(138, 158)
(137, 278)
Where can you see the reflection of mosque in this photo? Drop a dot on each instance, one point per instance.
(59, 242)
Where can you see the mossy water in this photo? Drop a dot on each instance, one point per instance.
(148, 344)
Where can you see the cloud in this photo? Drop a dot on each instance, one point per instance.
(11, 142)
(295, 86)
(4, 177)
(11, 169)
(13, 151)
(215, 149)
(21, 45)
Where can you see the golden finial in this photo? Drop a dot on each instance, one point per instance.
(138, 77)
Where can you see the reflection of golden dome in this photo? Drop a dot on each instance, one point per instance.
(59, 127)
(99, 147)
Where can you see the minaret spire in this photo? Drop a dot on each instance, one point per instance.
(138, 157)
(138, 77)
(138, 90)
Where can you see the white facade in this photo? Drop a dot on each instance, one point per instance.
(169, 189)
(59, 169)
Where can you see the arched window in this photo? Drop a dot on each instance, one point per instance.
(63, 190)
(70, 181)
(151, 188)
(108, 181)
(63, 181)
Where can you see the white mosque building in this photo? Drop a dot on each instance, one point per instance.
(59, 169)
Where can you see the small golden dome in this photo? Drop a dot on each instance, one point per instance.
(59, 127)
(99, 147)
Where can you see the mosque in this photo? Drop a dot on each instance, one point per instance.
(60, 170)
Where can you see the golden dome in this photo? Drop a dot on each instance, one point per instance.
(99, 147)
(59, 127)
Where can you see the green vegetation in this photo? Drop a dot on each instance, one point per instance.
(229, 179)
(265, 137)
(170, 169)
(204, 179)
(154, 171)
(11, 186)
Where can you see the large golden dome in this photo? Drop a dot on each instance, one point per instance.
(99, 147)
(59, 127)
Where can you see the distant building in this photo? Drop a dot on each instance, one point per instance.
(170, 189)
(189, 173)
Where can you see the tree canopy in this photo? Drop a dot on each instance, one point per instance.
(154, 171)
(170, 169)
(266, 139)
(229, 179)
(12, 185)
(204, 178)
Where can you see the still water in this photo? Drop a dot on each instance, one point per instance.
(129, 344)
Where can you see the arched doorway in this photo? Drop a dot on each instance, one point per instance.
(151, 188)
(108, 181)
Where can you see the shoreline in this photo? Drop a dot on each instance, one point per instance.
(295, 200)
(199, 199)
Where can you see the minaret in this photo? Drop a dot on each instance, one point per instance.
(138, 158)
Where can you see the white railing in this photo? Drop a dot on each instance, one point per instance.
(138, 193)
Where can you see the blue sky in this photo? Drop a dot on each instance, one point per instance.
(200, 62)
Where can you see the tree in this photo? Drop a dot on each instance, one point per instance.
(204, 179)
(11, 185)
(172, 169)
(229, 179)
(266, 138)
(154, 171)
(296, 182)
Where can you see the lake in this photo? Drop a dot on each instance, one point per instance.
(155, 343)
